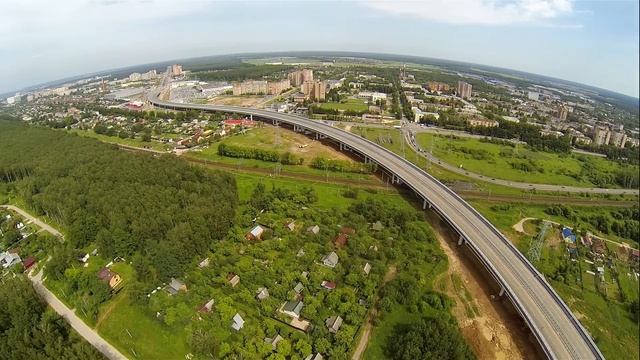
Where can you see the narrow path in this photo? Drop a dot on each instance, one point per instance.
(373, 312)
(35, 220)
(519, 227)
(58, 306)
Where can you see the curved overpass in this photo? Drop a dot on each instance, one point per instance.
(559, 333)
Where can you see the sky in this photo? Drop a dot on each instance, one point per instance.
(587, 41)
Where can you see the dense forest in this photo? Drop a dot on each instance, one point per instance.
(28, 330)
(158, 208)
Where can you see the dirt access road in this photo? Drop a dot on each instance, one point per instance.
(35, 220)
(58, 306)
(489, 328)
(76, 323)
(373, 312)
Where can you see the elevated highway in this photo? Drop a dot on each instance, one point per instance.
(559, 333)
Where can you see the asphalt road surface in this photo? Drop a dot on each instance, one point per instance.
(560, 334)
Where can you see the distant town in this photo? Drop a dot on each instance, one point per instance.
(328, 91)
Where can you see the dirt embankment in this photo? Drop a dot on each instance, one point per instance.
(491, 329)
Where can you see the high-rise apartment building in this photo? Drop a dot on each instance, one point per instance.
(563, 111)
(250, 87)
(618, 139)
(298, 77)
(314, 90)
(176, 70)
(260, 87)
(276, 87)
(601, 135)
(463, 90)
(437, 86)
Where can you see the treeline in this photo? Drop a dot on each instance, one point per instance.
(342, 165)
(235, 151)
(628, 155)
(179, 116)
(29, 330)
(507, 130)
(157, 210)
(315, 109)
(243, 72)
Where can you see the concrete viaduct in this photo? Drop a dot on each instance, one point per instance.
(559, 333)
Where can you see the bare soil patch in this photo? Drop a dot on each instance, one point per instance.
(492, 330)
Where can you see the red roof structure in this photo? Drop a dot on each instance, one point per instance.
(29, 262)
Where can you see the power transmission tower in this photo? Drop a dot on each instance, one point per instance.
(276, 141)
(536, 244)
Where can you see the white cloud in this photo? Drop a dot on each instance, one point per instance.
(41, 16)
(476, 12)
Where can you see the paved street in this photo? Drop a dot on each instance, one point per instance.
(59, 307)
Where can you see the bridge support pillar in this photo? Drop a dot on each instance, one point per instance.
(425, 204)
(501, 293)
(318, 137)
(461, 240)
(341, 146)
(251, 117)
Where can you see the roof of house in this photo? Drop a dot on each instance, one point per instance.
(257, 231)
(566, 232)
(176, 284)
(105, 274)
(341, 240)
(330, 285)
(334, 323)
(274, 342)
(367, 268)
(291, 225)
(28, 262)
(298, 288)
(347, 230)
(262, 293)
(204, 263)
(238, 322)
(233, 279)
(293, 306)
(314, 357)
(314, 229)
(206, 307)
(331, 258)
(9, 257)
(377, 226)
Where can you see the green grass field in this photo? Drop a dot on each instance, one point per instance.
(138, 334)
(499, 160)
(348, 104)
(381, 332)
(602, 313)
(269, 137)
(329, 195)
